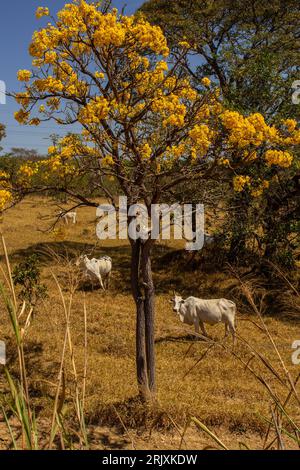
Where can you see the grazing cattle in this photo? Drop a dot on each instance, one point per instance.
(96, 269)
(197, 312)
(68, 217)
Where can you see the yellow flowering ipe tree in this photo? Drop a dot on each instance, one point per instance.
(142, 122)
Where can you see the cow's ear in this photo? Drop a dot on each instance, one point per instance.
(170, 301)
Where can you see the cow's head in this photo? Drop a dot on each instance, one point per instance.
(80, 262)
(177, 300)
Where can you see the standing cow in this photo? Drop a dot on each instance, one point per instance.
(68, 217)
(197, 312)
(96, 269)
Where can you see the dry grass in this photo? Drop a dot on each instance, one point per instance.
(219, 389)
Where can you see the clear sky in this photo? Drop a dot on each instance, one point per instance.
(17, 23)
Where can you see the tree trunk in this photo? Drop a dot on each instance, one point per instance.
(141, 361)
(143, 293)
(149, 309)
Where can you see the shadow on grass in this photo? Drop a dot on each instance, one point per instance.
(172, 268)
(179, 339)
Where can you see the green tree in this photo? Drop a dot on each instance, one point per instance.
(250, 49)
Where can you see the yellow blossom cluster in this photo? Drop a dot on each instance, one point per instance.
(172, 110)
(253, 130)
(28, 170)
(185, 44)
(24, 75)
(22, 116)
(23, 99)
(243, 131)
(5, 198)
(94, 111)
(107, 160)
(145, 151)
(176, 151)
(92, 67)
(240, 182)
(206, 81)
(290, 124)
(42, 11)
(109, 29)
(279, 157)
(201, 136)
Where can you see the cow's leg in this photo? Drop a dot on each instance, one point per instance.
(232, 331)
(196, 324)
(101, 282)
(203, 328)
(226, 330)
(107, 280)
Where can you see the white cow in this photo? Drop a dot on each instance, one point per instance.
(96, 269)
(68, 217)
(194, 311)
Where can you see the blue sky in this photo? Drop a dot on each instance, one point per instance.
(17, 23)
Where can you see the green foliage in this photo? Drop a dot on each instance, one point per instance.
(27, 275)
(250, 49)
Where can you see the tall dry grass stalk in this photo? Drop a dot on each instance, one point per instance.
(19, 390)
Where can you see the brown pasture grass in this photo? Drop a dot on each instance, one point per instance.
(219, 389)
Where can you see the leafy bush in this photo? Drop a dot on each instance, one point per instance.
(27, 275)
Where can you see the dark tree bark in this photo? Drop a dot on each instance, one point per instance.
(144, 297)
(141, 361)
(149, 309)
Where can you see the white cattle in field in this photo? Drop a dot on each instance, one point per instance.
(197, 312)
(96, 269)
(68, 217)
